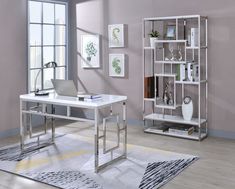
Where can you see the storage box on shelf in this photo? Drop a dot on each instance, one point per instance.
(182, 57)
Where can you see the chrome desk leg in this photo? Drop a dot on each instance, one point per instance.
(125, 129)
(96, 140)
(52, 125)
(21, 126)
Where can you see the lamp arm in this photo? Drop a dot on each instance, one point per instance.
(35, 81)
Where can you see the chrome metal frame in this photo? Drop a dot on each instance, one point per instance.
(202, 133)
(26, 111)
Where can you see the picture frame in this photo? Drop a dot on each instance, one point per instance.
(90, 51)
(117, 65)
(116, 36)
(171, 31)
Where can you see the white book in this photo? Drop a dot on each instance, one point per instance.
(194, 37)
(182, 72)
(195, 72)
(190, 71)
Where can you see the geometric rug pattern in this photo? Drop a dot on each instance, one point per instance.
(69, 164)
(65, 179)
(158, 173)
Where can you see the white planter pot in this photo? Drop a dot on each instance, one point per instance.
(187, 111)
(152, 41)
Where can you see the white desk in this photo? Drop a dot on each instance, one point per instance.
(42, 102)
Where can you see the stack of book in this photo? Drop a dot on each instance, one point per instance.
(89, 97)
(183, 130)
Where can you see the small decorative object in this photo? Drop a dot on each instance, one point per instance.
(171, 49)
(153, 37)
(166, 93)
(180, 54)
(170, 32)
(117, 65)
(165, 97)
(171, 101)
(90, 51)
(116, 35)
(187, 108)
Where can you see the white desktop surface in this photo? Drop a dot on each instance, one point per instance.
(73, 101)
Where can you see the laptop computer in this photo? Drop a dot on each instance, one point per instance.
(65, 87)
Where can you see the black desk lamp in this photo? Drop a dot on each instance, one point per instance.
(47, 65)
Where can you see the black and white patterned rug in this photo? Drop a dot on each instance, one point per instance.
(69, 164)
(159, 173)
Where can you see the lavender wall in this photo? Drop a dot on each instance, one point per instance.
(13, 61)
(95, 15)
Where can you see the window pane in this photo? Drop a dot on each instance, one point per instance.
(35, 11)
(60, 73)
(35, 57)
(48, 54)
(48, 13)
(35, 34)
(59, 14)
(60, 35)
(48, 35)
(33, 74)
(48, 74)
(60, 56)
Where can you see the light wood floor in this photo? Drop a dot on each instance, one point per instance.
(214, 170)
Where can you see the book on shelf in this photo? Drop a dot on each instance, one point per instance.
(182, 72)
(194, 37)
(149, 87)
(181, 130)
(160, 128)
(188, 72)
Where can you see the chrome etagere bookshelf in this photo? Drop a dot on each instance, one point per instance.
(154, 113)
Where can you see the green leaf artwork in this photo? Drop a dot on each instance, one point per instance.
(115, 64)
(115, 34)
(90, 50)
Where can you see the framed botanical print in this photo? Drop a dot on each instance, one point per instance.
(170, 31)
(117, 65)
(116, 35)
(90, 51)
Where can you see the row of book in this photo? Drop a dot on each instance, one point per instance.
(188, 72)
(175, 129)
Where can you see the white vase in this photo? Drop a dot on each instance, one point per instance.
(152, 41)
(187, 111)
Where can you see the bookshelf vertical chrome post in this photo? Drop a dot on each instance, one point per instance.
(201, 120)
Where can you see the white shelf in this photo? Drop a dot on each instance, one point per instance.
(193, 136)
(165, 75)
(173, 119)
(169, 62)
(173, 17)
(150, 99)
(171, 41)
(189, 47)
(149, 48)
(190, 82)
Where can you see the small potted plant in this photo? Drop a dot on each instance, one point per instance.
(153, 37)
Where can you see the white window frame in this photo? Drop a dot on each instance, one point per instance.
(42, 45)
